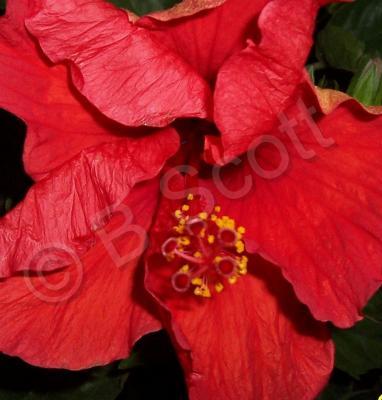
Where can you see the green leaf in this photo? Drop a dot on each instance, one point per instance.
(359, 349)
(366, 86)
(141, 7)
(134, 361)
(340, 48)
(353, 35)
(364, 19)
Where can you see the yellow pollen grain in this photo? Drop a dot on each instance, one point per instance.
(243, 264)
(203, 291)
(241, 230)
(190, 197)
(178, 214)
(240, 247)
(219, 287)
(198, 254)
(203, 215)
(185, 207)
(218, 209)
(197, 281)
(185, 268)
(232, 280)
(213, 217)
(225, 222)
(211, 239)
(185, 241)
(178, 229)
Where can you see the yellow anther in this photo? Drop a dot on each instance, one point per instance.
(203, 291)
(190, 197)
(185, 241)
(198, 254)
(219, 287)
(243, 263)
(197, 281)
(232, 280)
(213, 217)
(185, 207)
(240, 247)
(178, 229)
(241, 230)
(185, 268)
(211, 239)
(218, 209)
(182, 221)
(203, 215)
(178, 214)
(225, 222)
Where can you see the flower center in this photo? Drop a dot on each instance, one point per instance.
(207, 250)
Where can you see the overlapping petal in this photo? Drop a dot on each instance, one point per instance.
(64, 207)
(254, 86)
(319, 217)
(88, 314)
(207, 39)
(60, 123)
(120, 68)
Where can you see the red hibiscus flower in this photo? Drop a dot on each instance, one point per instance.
(302, 204)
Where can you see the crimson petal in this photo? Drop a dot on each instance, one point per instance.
(60, 122)
(319, 217)
(252, 341)
(88, 314)
(258, 83)
(206, 39)
(65, 207)
(119, 67)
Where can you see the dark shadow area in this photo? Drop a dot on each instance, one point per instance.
(2, 7)
(14, 182)
(153, 371)
(159, 376)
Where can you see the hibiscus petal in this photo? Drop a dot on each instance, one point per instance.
(205, 40)
(88, 314)
(60, 123)
(319, 217)
(258, 83)
(119, 67)
(252, 341)
(63, 208)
